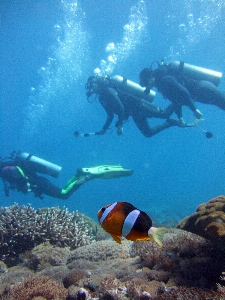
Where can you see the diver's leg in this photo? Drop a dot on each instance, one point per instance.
(167, 112)
(149, 110)
(85, 174)
(207, 93)
(145, 129)
(177, 93)
(74, 184)
(41, 185)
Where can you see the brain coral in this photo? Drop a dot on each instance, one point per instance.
(208, 221)
(23, 227)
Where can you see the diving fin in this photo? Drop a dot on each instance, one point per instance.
(106, 171)
(157, 234)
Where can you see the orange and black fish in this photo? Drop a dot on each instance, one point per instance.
(122, 219)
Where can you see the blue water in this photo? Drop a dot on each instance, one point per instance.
(50, 48)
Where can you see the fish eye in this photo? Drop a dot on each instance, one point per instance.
(103, 209)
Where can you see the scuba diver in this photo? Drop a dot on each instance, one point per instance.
(18, 172)
(171, 85)
(123, 105)
(183, 84)
(109, 99)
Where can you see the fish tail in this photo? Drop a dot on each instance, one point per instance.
(157, 234)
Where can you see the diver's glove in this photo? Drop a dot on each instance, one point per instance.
(101, 132)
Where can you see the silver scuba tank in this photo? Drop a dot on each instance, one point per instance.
(38, 164)
(131, 88)
(197, 73)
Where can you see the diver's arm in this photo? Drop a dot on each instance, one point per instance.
(108, 121)
(105, 102)
(119, 123)
(118, 109)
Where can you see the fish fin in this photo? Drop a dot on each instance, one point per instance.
(116, 238)
(157, 234)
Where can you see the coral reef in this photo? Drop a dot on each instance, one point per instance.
(184, 293)
(138, 289)
(3, 267)
(15, 274)
(187, 266)
(208, 221)
(76, 293)
(186, 258)
(102, 250)
(45, 255)
(111, 288)
(75, 275)
(22, 228)
(32, 288)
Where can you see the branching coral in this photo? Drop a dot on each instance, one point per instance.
(37, 286)
(22, 228)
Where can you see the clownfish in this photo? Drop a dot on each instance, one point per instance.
(122, 219)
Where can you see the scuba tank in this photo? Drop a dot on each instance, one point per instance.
(38, 164)
(131, 88)
(195, 72)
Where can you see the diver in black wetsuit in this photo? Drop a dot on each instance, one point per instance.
(124, 106)
(18, 174)
(181, 89)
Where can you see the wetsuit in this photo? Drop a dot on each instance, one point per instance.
(205, 92)
(28, 181)
(109, 99)
(24, 178)
(170, 85)
(140, 110)
(181, 89)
